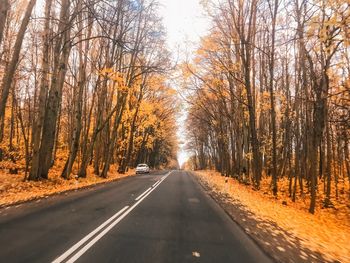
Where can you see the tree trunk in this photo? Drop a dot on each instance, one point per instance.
(126, 160)
(272, 100)
(110, 148)
(318, 123)
(327, 201)
(79, 99)
(11, 67)
(44, 87)
(55, 93)
(4, 9)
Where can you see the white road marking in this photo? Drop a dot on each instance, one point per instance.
(196, 254)
(155, 183)
(87, 237)
(141, 195)
(99, 236)
(126, 211)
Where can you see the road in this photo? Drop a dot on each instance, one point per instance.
(161, 217)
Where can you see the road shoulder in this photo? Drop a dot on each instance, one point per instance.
(20, 192)
(275, 241)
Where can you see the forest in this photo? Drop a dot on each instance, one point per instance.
(269, 96)
(238, 111)
(84, 88)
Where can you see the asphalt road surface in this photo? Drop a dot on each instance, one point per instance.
(161, 217)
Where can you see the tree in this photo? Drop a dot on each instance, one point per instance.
(272, 100)
(11, 68)
(4, 9)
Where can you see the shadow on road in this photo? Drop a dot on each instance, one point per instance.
(280, 244)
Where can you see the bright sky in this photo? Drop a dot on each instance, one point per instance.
(184, 21)
(185, 24)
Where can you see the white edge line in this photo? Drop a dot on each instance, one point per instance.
(99, 236)
(145, 192)
(87, 237)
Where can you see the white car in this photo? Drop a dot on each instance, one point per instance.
(142, 168)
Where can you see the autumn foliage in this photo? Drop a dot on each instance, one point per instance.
(284, 229)
(84, 88)
(269, 96)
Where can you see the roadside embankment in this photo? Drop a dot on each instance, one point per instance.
(284, 230)
(13, 190)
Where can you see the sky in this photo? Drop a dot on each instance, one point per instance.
(184, 20)
(185, 24)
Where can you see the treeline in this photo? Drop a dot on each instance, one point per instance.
(269, 94)
(83, 83)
